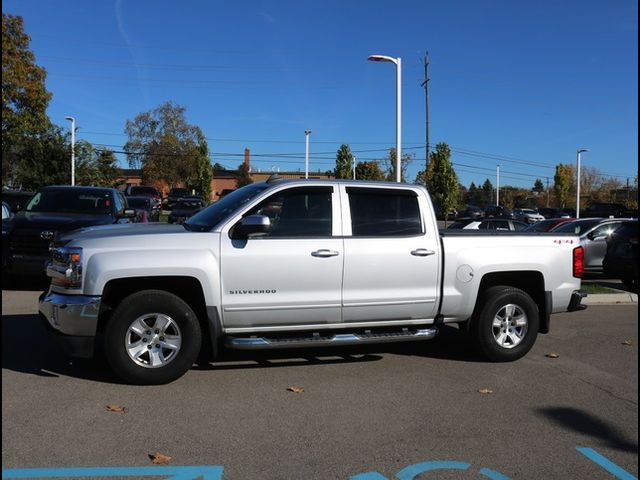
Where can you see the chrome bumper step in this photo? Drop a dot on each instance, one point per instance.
(317, 340)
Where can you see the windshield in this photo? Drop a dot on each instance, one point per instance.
(206, 219)
(187, 204)
(138, 202)
(577, 228)
(71, 201)
(179, 191)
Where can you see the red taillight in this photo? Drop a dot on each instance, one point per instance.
(578, 262)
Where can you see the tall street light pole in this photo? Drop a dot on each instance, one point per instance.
(306, 153)
(73, 149)
(398, 63)
(497, 185)
(580, 151)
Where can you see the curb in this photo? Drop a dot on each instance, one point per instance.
(610, 298)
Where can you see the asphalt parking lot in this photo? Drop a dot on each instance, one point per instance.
(420, 410)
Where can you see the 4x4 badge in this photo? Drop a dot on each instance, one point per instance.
(46, 234)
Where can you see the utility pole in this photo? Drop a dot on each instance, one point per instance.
(497, 185)
(547, 192)
(425, 84)
(306, 153)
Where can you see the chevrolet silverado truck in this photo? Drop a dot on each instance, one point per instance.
(301, 263)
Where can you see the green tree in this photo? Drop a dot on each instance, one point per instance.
(486, 197)
(538, 186)
(44, 160)
(217, 167)
(473, 195)
(243, 175)
(24, 100)
(562, 182)
(97, 167)
(369, 171)
(200, 181)
(442, 181)
(390, 165)
(344, 162)
(165, 146)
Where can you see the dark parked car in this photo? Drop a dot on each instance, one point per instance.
(621, 258)
(145, 191)
(16, 199)
(174, 195)
(553, 213)
(498, 211)
(606, 210)
(470, 211)
(185, 207)
(547, 225)
(26, 236)
(144, 209)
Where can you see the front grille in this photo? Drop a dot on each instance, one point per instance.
(28, 242)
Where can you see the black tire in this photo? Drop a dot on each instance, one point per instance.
(517, 321)
(173, 333)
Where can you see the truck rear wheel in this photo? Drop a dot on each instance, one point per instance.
(152, 337)
(506, 325)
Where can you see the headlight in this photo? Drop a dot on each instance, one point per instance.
(65, 268)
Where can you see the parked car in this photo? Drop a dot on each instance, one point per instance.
(553, 213)
(144, 209)
(54, 209)
(606, 210)
(527, 215)
(471, 211)
(145, 191)
(498, 211)
(593, 233)
(504, 224)
(174, 195)
(16, 199)
(621, 257)
(547, 225)
(185, 207)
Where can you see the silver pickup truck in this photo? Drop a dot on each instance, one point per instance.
(301, 263)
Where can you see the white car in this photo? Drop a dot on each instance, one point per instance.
(527, 215)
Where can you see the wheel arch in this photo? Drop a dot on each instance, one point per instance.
(189, 289)
(530, 282)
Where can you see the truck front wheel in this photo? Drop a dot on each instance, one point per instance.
(506, 325)
(152, 337)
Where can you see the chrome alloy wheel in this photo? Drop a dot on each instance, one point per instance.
(510, 326)
(153, 340)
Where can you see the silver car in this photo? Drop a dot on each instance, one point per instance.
(593, 233)
(527, 215)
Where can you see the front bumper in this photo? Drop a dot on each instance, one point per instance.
(73, 319)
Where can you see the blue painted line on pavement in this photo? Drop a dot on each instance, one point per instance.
(213, 472)
(605, 463)
(412, 471)
(369, 476)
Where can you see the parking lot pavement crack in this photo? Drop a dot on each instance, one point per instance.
(584, 380)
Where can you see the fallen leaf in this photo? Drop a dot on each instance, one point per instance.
(159, 458)
(116, 408)
(485, 391)
(552, 355)
(627, 342)
(295, 389)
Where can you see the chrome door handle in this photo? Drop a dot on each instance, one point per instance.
(422, 252)
(324, 253)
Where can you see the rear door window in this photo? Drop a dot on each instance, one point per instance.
(384, 212)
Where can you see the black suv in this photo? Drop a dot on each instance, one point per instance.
(27, 235)
(498, 211)
(606, 210)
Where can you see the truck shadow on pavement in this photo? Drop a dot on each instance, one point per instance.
(27, 348)
(588, 424)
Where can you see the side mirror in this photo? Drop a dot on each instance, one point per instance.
(253, 225)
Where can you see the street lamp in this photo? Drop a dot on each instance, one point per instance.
(306, 153)
(497, 185)
(398, 63)
(580, 151)
(73, 148)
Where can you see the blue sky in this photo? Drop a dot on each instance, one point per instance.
(522, 84)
